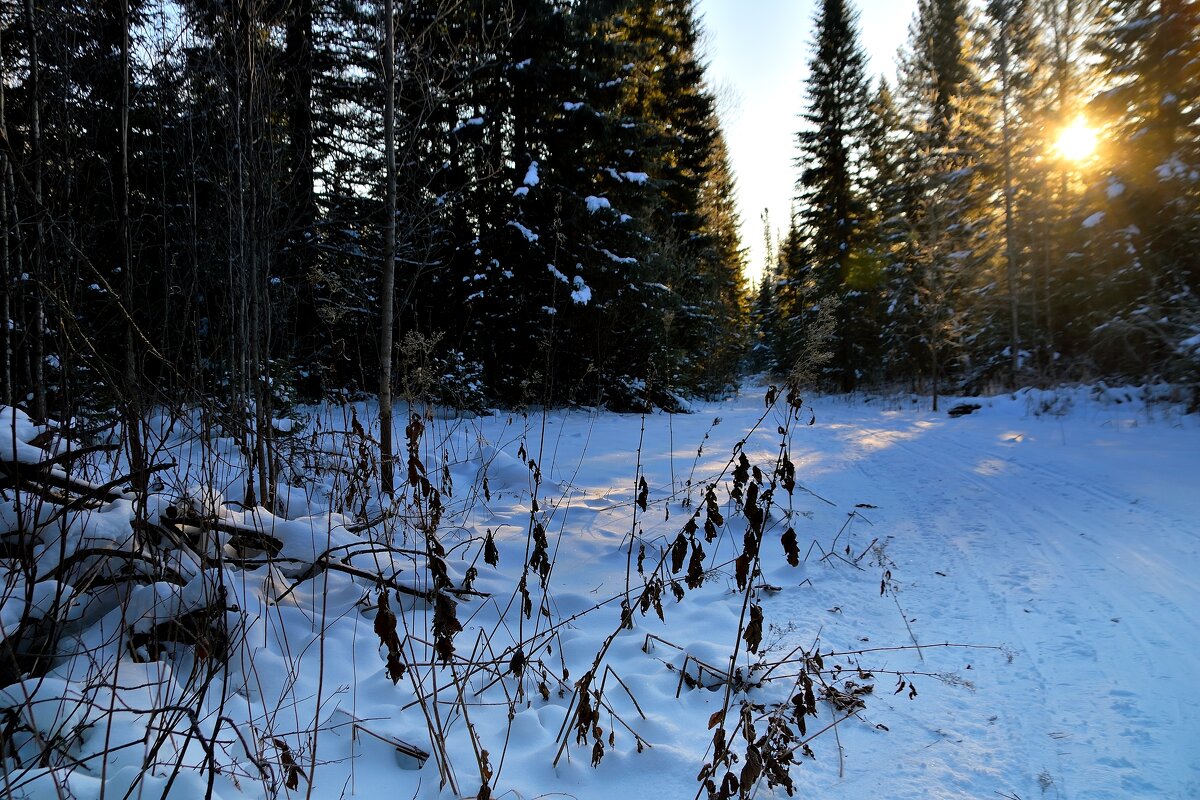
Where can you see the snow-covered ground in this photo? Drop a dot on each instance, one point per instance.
(1030, 570)
(1072, 541)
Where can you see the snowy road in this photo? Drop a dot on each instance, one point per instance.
(1075, 544)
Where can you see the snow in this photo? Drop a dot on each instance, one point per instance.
(1049, 536)
(473, 122)
(569, 106)
(16, 433)
(528, 234)
(1171, 169)
(1114, 189)
(631, 177)
(531, 175)
(557, 273)
(1094, 219)
(581, 294)
(595, 204)
(618, 259)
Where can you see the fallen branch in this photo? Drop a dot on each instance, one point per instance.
(162, 572)
(243, 535)
(39, 479)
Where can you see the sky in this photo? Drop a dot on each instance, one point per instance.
(758, 53)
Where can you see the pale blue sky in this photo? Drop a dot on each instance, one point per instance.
(758, 53)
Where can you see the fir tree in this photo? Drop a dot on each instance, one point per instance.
(833, 210)
(694, 250)
(1145, 233)
(892, 194)
(1009, 61)
(945, 216)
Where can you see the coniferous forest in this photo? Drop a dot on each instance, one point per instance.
(234, 197)
(1021, 205)
(533, 202)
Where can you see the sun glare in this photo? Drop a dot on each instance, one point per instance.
(1077, 142)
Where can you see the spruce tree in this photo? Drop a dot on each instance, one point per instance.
(1009, 61)
(833, 214)
(763, 317)
(1143, 217)
(695, 260)
(891, 192)
(948, 228)
(791, 297)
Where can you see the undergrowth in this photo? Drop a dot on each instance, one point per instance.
(178, 639)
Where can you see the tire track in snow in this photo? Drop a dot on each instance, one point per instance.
(1058, 568)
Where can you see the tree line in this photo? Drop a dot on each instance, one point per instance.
(259, 200)
(948, 231)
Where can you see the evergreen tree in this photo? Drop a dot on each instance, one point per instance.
(563, 210)
(550, 244)
(945, 215)
(1062, 279)
(791, 299)
(764, 320)
(833, 209)
(694, 259)
(892, 194)
(1009, 62)
(718, 340)
(1145, 214)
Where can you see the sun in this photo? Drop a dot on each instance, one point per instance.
(1077, 141)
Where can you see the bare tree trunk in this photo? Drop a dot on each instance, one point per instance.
(14, 297)
(38, 368)
(5, 255)
(133, 406)
(260, 175)
(9, 393)
(933, 357)
(1010, 251)
(387, 309)
(294, 212)
(241, 301)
